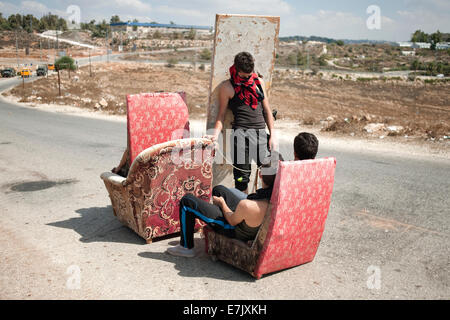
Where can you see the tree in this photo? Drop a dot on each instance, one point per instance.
(135, 27)
(52, 22)
(62, 24)
(415, 65)
(340, 43)
(419, 36)
(115, 19)
(42, 26)
(27, 23)
(431, 67)
(30, 23)
(15, 21)
(435, 39)
(191, 35)
(3, 23)
(65, 62)
(322, 61)
(301, 59)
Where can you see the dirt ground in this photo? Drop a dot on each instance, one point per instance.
(347, 106)
(398, 109)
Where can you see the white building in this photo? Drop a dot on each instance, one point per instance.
(443, 45)
(422, 45)
(405, 44)
(408, 53)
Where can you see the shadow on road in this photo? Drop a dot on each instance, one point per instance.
(98, 224)
(201, 266)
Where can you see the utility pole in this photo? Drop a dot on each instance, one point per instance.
(121, 42)
(106, 44)
(40, 51)
(54, 46)
(59, 83)
(31, 32)
(307, 58)
(90, 69)
(17, 52)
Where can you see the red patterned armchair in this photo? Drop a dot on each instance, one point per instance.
(147, 200)
(291, 231)
(163, 166)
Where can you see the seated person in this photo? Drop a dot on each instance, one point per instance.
(124, 166)
(305, 146)
(228, 215)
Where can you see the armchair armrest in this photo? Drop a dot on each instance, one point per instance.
(113, 178)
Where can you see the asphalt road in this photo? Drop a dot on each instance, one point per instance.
(386, 236)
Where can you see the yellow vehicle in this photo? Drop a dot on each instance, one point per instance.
(25, 72)
(51, 66)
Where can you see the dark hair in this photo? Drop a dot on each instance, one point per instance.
(306, 146)
(244, 62)
(269, 168)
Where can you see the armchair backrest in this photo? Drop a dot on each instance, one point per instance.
(154, 118)
(299, 207)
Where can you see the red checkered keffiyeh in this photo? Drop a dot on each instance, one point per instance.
(249, 90)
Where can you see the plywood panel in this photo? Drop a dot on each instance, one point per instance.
(257, 35)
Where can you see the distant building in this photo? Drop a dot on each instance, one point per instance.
(314, 43)
(408, 53)
(415, 45)
(443, 45)
(421, 45)
(405, 44)
(143, 27)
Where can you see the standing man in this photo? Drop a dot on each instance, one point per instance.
(244, 93)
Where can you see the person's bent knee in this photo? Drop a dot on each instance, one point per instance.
(188, 200)
(218, 190)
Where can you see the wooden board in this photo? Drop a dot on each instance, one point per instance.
(257, 35)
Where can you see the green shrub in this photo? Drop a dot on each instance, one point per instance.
(364, 79)
(171, 62)
(205, 54)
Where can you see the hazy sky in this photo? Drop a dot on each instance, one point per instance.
(334, 19)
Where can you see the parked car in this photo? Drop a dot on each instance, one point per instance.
(51, 66)
(8, 73)
(25, 72)
(41, 71)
